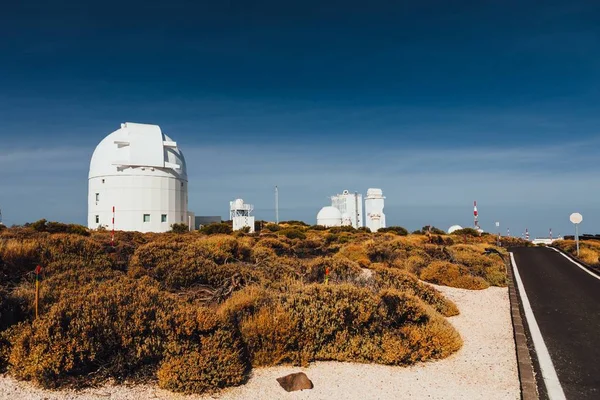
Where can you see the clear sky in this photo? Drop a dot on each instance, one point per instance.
(438, 103)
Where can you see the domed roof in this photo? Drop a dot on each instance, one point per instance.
(139, 149)
(329, 212)
(454, 228)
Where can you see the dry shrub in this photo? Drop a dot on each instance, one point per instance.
(343, 323)
(415, 263)
(490, 267)
(589, 250)
(111, 312)
(448, 274)
(215, 364)
(588, 255)
(278, 246)
(341, 269)
(17, 257)
(356, 253)
(403, 281)
(311, 247)
(118, 328)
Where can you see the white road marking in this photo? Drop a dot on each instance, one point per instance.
(553, 386)
(576, 263)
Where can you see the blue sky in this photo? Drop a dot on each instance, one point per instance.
(438, 103)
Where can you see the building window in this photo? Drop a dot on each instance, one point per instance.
(146, 217)
(97, 219)
(97, 196)
(163, 218)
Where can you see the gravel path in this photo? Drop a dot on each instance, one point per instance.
(485, 368)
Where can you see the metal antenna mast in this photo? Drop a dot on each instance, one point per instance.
(276, 204)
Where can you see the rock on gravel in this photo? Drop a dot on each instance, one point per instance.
(485, 368)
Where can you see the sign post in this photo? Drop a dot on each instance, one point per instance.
(498, 226)
(576, 218)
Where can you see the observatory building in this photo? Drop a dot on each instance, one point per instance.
(329, 216)
(454, 228)
(375, 218)
(350, 206)
(138, 181)
(239, 213)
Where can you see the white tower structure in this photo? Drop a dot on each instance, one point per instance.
(375, 218)
(239, 213)
(329, 216)
(137, 181)
(349, 204)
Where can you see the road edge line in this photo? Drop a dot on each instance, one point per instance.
(527, 380)
(549, 376)
(581, 266)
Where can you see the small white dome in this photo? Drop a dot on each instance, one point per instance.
(329, 212)
(329, 216)
(454, 228)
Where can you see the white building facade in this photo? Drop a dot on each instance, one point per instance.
(375, 218)
(350, 207)
(239, 213)
(138, 176)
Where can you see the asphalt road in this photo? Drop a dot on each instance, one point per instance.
(566, 304)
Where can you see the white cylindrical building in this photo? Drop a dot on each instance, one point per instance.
(138, 175)
(374, 209)
(329, 216)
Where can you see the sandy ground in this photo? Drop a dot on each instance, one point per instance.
(485, 368)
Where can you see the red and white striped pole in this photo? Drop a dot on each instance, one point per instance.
(475, 215)
(112, 237)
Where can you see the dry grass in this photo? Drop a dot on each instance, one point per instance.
(589, 250)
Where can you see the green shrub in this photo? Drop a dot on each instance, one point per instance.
(216, 229)
(179, 228)
(272, 227)
(398, 230)
(292, 233)
(466, 232)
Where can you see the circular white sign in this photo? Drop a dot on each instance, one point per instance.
(576, 218)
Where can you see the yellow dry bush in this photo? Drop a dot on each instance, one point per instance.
(276, 244)
(17, 257)
(341, 269)
(489, 267)
(215, 364)
(448, 274)
(356, 253)
(401, 280)
(268, 335)
(588, 255)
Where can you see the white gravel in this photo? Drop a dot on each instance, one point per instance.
(485, 368)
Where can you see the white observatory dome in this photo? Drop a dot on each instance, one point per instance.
(454, 228)
(329, 216)
(138, 176)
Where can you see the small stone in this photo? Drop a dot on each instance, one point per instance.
(297, 381)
